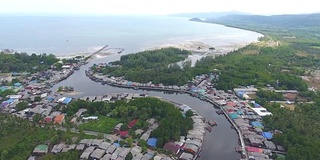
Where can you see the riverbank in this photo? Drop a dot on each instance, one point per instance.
(120, 82)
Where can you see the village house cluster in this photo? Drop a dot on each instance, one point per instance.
(244, 115)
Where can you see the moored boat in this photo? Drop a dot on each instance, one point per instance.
(212, 123)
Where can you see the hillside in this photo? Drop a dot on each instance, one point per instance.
(304, 26)
(209, 15)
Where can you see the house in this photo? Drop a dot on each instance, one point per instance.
(255, 140)
(117, 127)
(186, 156)
(59, 119)
(151, 121)
(191, 148)
(97, 154)
(146, 135)
(69, 147)
(124, 153)
(132, 123)
(90, 118)
(152, 142)
(96, 142)
(57, 148)
(80, 147)
(261, 111)
(270, 145)
(123, 134)
(104, 145)
(106, 157)
(64, 100)
(111, 149)
(86, 142)
(48, 119)
(135, 150)
(40, 150)
(138, 156)
(172, 147)
(85, 155)
(116, 153)
(138, 131)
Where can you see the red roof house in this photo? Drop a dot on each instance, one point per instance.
(59, 119)
(123, 134)
(231, 104)
(132, 123)
(48, 119)
(172, 147)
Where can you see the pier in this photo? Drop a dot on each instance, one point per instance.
(97, 52)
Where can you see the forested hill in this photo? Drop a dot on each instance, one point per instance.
(282, 21)
(302, 25)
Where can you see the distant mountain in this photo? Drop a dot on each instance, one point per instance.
(280, 21)
(207, 15)
(197, 20)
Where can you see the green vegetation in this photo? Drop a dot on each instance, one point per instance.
(103, 125)
(268, 66)
(301, 132)
(21, 106)
(142, 109)
(270, 96)
(70, 155)
(158, 66)
(277, 67)
(22, 62)
(297, 55)
(284, 27)
(19, 137)
(6, 93)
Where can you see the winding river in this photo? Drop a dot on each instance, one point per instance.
(219, 144)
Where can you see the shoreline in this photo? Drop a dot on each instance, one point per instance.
(230, 26)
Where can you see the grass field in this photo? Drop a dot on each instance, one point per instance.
(289, 106)
(103, 125)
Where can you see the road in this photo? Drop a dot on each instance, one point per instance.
(106, 136)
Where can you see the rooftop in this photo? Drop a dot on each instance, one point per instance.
(41, 148)
(98, 153)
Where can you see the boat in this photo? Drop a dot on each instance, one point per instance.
(219, 112)
(208, 128)
(212, 123)
(238, 149)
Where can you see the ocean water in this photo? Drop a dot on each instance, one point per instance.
(72, 35)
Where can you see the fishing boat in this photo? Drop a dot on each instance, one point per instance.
(212, 123)
(219, 112)
(208, 128)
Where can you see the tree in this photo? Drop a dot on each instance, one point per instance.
(124, 127)
(144, 149)
(37, 99)
(129, 141)
(189, 113)
(129, 156)
(21, 106)
(36, 118)
(6, 92)
(100, 136)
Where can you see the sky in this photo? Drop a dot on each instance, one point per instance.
(157, 7)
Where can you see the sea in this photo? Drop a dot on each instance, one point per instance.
(69, 35)
(73, 35)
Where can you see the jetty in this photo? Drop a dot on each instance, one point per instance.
(97, 52)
